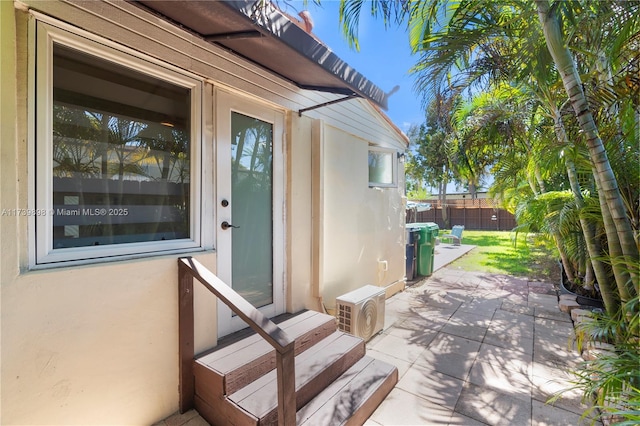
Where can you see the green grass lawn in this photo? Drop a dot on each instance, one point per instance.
(495, 252)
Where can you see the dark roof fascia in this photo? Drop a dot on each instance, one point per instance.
(276, 24)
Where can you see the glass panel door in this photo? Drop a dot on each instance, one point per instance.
(251, 208)
(249, 212)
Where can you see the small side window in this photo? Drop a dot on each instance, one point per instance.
(382, 167)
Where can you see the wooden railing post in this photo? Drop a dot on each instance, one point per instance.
(185, 337)
(188, 269)
(286, 373)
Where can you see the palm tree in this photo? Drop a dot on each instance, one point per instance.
(468, 45)
(620, 237)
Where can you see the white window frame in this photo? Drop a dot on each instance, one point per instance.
(41, 146)
(394, 167)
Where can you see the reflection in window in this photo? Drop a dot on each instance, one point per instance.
(121, 163)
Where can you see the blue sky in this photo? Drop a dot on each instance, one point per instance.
(384, 57)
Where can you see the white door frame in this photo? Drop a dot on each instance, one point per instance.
(226, 103)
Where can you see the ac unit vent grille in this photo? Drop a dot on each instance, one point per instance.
(344, 317)
(361, 312)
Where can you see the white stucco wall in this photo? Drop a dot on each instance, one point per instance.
(363, 226)
(92, 345)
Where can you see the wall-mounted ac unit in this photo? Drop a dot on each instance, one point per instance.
(361, 312)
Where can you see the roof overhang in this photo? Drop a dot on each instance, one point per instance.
(269, 38)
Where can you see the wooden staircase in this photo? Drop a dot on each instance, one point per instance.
(303, 362)
(335, 382)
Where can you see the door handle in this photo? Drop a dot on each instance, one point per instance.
(226, 225)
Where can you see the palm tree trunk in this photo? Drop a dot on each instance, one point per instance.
(443, 203)
(609, 292)
(622, 276)
(619, 231)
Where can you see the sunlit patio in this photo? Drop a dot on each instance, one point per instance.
(472, 349)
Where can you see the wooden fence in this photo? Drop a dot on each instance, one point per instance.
(476, 214)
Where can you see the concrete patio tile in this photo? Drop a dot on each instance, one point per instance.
(404, 408)
(399, 347)
(497, 295)
(431, 385)
(512, 324)
(514, 281)
(497, 280)
(439, 299)
(508, 319)
(512, 360)
(491, 376)
(537, 300)
(482, 306)
(552, 327)
(548, 382)
(520, 299)
(426, 310)
(398, 307)
(517, 308)
(548, 415)
(470, 318)
(197, 421)
(458, 419)
(553, 313)
(426, 320)
(449, 354)
(402, 365)
(471, 332)
(178, 419)
(541, 287)
(405, 295)
(521, 292)
(515, 284)
(420, 337)
(514, 338)
(487, 287)
(493, 407)
(555, 351)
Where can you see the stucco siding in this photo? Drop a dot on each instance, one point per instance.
(94, 344)
(362, 226)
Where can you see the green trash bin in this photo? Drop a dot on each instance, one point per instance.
(427, 247)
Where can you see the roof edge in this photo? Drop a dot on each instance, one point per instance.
(277, 24)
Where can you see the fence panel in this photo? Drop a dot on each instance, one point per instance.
(478, 214)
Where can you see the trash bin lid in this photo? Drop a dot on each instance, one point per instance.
(433, 227)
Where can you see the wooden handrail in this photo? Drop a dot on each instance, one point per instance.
(189, 268)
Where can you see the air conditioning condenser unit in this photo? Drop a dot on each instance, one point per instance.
(361, 312)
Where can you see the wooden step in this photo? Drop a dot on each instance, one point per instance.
(316, 369)
(353, 397)
(227, 370)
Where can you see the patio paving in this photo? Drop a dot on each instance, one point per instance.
(477, 349)
(472, 349)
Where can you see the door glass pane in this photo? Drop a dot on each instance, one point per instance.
(121, 161)
(251, 208)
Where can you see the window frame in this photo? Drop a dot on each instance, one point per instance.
(41, 147)
(394, 167)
